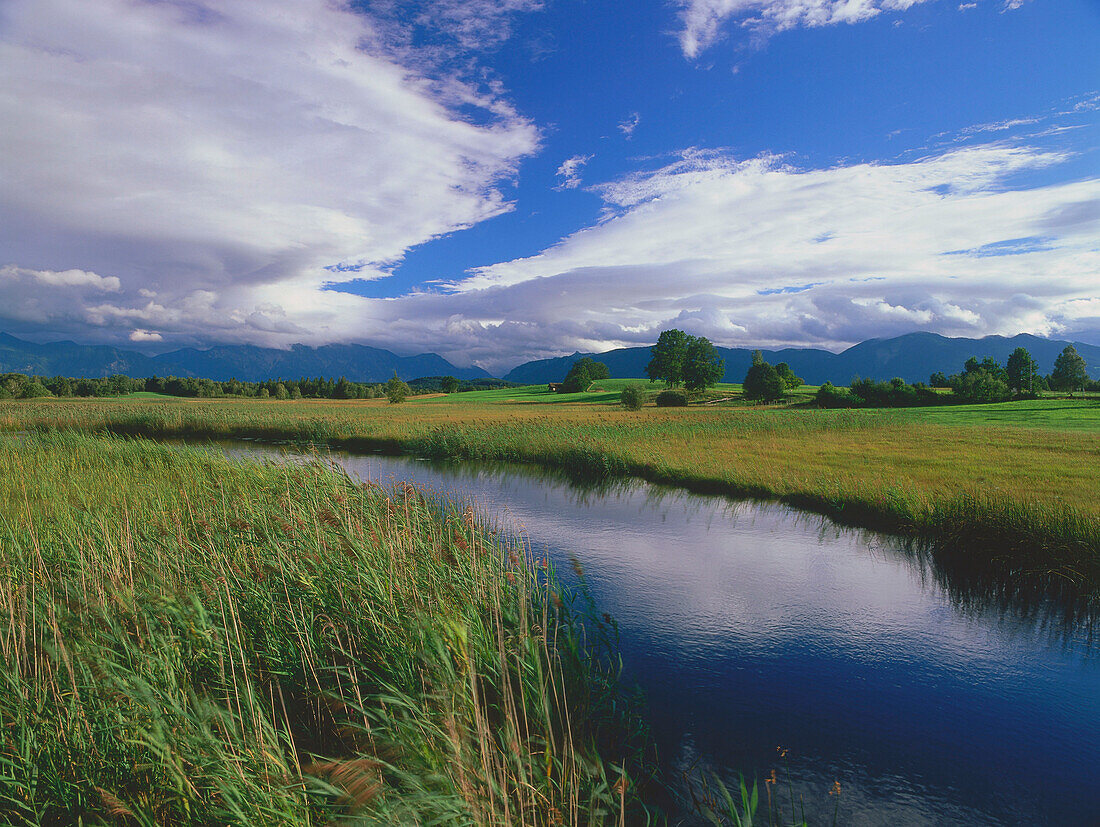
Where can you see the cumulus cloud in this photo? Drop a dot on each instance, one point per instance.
(569, 173)
(210, 159)
(755, 252)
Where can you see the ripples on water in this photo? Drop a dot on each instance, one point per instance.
(935, 691)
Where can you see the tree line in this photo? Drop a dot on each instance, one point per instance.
(979, 381)
(24, 386)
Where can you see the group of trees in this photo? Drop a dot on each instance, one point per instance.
(979, 381)
(691, 360)
(22, 386)
(988, 381)
(768, 383)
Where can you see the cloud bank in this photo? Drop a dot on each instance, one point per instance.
(759, 253)
(176, 174)
(208, 160)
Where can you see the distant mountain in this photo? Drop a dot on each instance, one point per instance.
(245, 362)
(914, 357)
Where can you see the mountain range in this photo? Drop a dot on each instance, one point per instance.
(913, 357)
(245, 362)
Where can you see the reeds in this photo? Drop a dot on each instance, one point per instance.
(1034, 490)
(189, 640)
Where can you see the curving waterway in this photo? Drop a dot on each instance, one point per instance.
(932, 697)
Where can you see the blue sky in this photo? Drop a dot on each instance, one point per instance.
(498, 180)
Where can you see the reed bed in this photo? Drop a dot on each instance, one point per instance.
(1025, 498)
(189, 640)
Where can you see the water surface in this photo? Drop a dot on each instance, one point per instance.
(752, 626)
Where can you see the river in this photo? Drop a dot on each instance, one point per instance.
(754, 627)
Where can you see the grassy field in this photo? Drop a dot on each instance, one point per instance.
(189, 640)
(1016, 480)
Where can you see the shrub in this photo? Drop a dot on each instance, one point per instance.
(633, 397)
(830, 396)
(671, 399)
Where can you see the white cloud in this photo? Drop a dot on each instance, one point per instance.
(703, 20)
(569, 173)
(66, 278)
(217, 156)
(628, 126)
(139, 335)
(758, 253)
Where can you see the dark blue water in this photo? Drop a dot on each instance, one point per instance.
(752, 627)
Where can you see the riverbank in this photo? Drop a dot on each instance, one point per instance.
(195, 640)
(1024, 496)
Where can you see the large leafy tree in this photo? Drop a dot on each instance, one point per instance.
(1023, 372)
(703, 366)
(1070, 372)
(668, 356)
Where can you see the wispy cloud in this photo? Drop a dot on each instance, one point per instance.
(569, 173)
(703, 22)
(628, 126)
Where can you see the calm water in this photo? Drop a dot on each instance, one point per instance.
(751, 626)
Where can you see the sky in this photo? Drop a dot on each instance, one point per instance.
(502, 180)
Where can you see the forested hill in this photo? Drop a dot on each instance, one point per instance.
(913, 357)
(247, 363)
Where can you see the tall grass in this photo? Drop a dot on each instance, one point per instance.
(188, 640)
(1027, 499)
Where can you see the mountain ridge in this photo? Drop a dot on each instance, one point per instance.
(912, 356)
(248, 363)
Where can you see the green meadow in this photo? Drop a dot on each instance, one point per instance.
(1016, 479)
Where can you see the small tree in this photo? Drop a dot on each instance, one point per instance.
(632, 397)
(703, 366)
(583, 373)
(1022, 372)
(396, 390)
(668, 357)
(763, 382)
(281, 391)
(790, 381)
(264, 394)
(938, 379)
(449, 384)
(1070, 372)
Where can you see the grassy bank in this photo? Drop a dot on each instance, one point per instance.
(1017, 483)
(185, 639)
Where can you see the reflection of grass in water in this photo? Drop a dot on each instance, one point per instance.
(193, 640)
(1025, 494)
